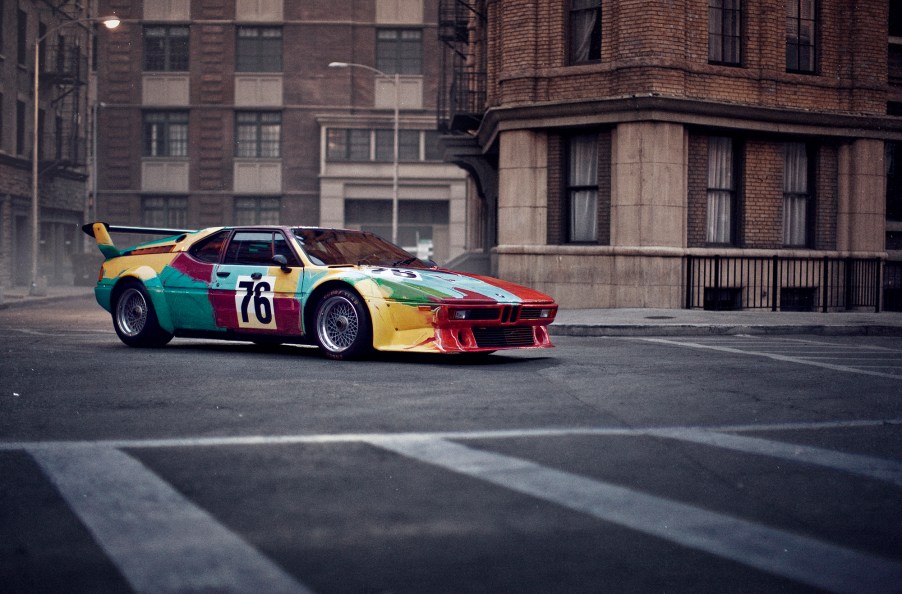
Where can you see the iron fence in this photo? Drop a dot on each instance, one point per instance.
(783, 283)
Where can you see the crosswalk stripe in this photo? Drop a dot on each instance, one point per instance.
(875, 468)
(774, 356)
(159, 540)
(777, 552)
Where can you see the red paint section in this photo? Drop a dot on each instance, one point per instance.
(525, 293)
(199, 271)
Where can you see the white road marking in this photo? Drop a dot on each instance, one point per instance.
(774, 551)
(326, 438)
(774, 356)
(164, 543)
(160, 541)
(875, 468)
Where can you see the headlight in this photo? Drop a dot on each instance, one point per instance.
(460, 314)
(545, 313)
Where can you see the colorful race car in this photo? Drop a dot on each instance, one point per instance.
(346, 291)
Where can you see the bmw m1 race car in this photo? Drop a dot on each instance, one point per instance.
(347, 292)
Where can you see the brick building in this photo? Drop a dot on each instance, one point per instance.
(63, 34)
(226, 112)
(720, 153)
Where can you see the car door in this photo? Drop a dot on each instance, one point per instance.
(187, 282)
(253, 293)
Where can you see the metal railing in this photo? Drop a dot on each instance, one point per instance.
(783, 283)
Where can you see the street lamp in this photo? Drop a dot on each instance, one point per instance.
(394, 196)
(110, 22)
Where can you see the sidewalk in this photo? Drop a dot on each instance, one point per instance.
(19, 297)
(691, 322)
(632, 322)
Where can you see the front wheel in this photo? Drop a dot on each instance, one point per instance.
(135, 320)
(342, 324)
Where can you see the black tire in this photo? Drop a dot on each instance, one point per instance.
(134, 318)
(342, 325)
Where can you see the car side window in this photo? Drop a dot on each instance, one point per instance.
(250, 248)
(209, 248)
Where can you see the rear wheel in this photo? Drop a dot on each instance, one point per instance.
(135, 320)
(342, 324)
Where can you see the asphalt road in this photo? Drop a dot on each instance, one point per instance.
(677, 464)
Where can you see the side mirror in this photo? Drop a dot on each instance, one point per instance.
(282, 261)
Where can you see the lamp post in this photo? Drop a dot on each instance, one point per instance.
(394, 196)
(109, 23)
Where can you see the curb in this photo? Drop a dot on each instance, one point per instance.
(16, 302)
(587, 330)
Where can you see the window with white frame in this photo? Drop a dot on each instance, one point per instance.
(259, 49)
(721, 190)
(257, 210)
(348, 144)
(796, 194)
(164, 211)
(165, 134)
(585, 31)
(408, 145)
(399, 51)
(364, 144)
(582, 188)
(166, 48)
(258, 134)
(725, 31)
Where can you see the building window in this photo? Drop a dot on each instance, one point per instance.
(721, 191)
(165, 134)
(432, 151)
(169, 212)
(259, 49)
(166, 48)
(254, 210)
(348, 144)
(399, 51)
(408, 145)
(22, 39)
(724, 32)
(419, 221)
(800, 35)
(585, 31)
(258, 134)
(894, 181)
(796, 195)
(20, 127)
(582, 188)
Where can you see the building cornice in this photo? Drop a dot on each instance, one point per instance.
(689, 112)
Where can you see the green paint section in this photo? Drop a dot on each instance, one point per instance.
(108, 250)
(189, 300)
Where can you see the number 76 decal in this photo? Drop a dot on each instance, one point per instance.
(254, 302)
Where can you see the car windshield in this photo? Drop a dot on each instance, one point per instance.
(337, 247)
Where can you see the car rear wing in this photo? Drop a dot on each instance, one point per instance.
(100, 231)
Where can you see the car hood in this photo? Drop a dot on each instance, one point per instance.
(446, 286)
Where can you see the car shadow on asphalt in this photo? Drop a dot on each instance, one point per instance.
(310, 352)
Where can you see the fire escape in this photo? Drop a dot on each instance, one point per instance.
(462, 92)
(63, 80)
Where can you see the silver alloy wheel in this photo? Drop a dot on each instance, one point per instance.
(131, 312)
(337, 324)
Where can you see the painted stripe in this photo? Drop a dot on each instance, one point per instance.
(160, 541)
(793, 556)
(875, 468)
(327, 438)
(775, 357)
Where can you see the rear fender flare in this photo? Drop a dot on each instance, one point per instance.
(151, 281)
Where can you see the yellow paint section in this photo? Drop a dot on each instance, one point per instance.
(152, 265)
